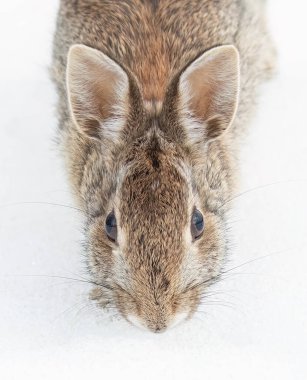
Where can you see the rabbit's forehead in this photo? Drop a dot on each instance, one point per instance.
(152, 189)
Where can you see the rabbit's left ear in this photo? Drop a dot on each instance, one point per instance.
(208, 91)
(98, 90)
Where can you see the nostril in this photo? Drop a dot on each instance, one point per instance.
(159, 329)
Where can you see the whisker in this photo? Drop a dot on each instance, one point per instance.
(87, 306)
(215, 304)
(41, 203)
(256, 259)
(221, 276)
(259, 188)
(58, 284)
(105, 286)
(228, 293)
(123, 290)
(67, 310)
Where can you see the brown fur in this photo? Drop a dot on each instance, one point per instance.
(152, 176)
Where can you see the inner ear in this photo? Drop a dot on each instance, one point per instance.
(97, 91)
(209, 90)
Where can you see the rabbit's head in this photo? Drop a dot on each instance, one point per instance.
(154, 181)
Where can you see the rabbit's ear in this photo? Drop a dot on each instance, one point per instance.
(97, 91)
(208, 90)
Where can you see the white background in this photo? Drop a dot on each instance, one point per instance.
(254, 328)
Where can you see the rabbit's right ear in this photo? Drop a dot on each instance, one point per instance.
(97, 91)
(209, 90)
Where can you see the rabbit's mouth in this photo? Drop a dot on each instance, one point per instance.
(158, 326)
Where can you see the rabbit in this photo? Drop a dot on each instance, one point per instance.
(153, 101)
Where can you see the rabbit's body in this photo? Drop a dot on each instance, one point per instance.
(154, 42)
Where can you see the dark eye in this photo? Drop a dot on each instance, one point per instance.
(197, 224)
(111, 226)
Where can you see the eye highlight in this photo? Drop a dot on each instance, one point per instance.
(197, 224)
(111, 227)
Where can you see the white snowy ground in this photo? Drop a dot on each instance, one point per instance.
(48, 329)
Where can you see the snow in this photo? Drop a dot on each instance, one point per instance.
(254, 328)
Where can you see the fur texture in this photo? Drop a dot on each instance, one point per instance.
(134, 144)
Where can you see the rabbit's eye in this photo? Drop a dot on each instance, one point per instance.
(111, 226)
(197, 224)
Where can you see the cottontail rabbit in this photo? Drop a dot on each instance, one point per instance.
(153, 99)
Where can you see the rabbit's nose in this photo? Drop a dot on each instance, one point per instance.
(159, 328)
